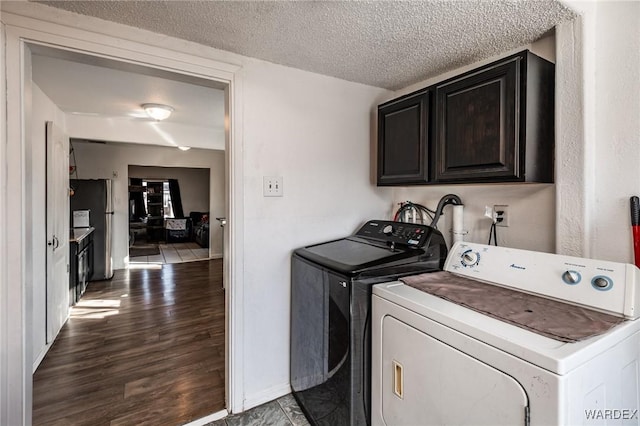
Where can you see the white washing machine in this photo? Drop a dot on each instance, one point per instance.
(436, 362)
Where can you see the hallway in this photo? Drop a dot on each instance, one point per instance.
(146, 347)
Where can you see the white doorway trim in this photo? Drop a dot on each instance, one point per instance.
(29, 24)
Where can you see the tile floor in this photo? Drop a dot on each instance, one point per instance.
(174, 253)
(281, 412)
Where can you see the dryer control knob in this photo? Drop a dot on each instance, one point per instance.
(571, 277)
(387, 230)
(601, 282)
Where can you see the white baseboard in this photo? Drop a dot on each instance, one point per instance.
(208, 419)
(267, 395)
(38, 360)
(46, 347)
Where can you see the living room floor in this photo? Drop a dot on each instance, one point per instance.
(174, 253)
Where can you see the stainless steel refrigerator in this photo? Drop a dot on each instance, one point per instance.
(95, 195)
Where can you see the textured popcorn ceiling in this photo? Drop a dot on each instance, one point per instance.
(389, 44)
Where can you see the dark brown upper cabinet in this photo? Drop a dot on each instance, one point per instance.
(496, 123)
(492, 124)
(403, 131)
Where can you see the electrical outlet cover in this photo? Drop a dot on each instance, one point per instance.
(504, 215)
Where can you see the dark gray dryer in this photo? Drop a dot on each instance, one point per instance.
(331, 287)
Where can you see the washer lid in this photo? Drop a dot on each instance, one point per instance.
(352, 255)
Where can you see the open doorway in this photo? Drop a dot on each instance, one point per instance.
(170, 210)
(104, 168)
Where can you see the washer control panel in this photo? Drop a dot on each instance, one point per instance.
(603, 285)
(409, 234)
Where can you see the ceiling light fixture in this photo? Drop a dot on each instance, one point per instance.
(184, 148)
(158, 112)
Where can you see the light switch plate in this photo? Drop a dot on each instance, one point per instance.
(272, 186)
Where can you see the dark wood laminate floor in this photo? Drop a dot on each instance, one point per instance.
(145, 348)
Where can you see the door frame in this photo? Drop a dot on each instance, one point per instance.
(28, 24)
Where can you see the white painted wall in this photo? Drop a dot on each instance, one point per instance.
(43, 110)
(572, 173)
(531, 210)
(102, 161)
(616, 165)
(194, 184)
(600, 135)
(314, 131)
(531, 206)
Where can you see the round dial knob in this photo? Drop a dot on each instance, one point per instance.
(601, 282)
(571, 277)
(387, 230)
(470, 258)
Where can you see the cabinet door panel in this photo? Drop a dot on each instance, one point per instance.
(479, 120)
(402, 147)
(477, 125)
(403, 141)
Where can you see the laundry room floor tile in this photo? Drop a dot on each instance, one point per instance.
(282, 412)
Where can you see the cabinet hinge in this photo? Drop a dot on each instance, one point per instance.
(527, 418)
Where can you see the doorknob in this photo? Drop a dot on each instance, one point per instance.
(55, 243)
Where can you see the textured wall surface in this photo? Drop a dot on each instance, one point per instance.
(598, 130)
(616, 161)
(571, 150)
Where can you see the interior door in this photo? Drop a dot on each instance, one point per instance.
(57, 229)
(427, 382)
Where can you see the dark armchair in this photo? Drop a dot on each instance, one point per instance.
(200, 221)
